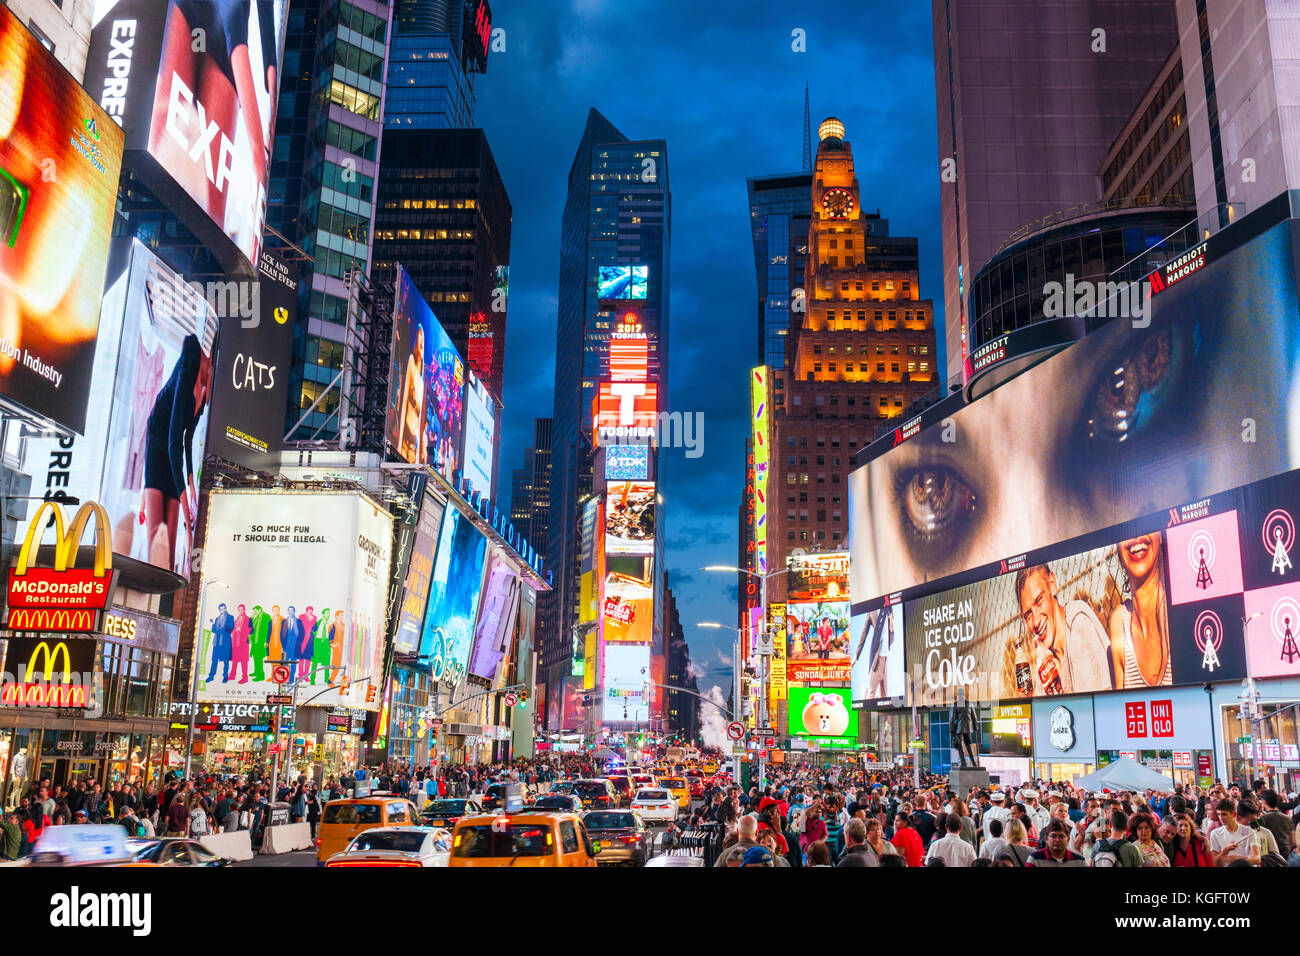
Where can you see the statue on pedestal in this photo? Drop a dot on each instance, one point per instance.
(964, 725)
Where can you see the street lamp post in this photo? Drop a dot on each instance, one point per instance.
(194, 674)
(1253, 697)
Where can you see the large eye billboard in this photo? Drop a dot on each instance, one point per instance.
(194, 85)
(1140, 416)
(60, 157)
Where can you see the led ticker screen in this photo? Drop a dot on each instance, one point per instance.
(627, 462)
(623, 282)
(60, 158)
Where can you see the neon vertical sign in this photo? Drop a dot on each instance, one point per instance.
(762, 458)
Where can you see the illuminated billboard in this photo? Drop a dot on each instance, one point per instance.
(294, 576)
(592, 554)
(626, 675)
(817, 641)
(629, 517)
(453, 597)
(419, 572)
(622, 282)
(822, 715)
(480, 429)
(627, 608)
(146, 432)
(494, 627)
(876, 652)
(60, 158)
(198, 116)
(817, 576)
(426, 384)
(758, 407)
(627, 462)
(1135, 418)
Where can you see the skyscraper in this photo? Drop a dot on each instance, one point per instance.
(321, 197)
(437, 47)
(443, 213)
(779, 214)
(530, 510)
(617, 215)
(1030, 97)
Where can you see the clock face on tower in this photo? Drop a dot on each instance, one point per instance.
(837, 203)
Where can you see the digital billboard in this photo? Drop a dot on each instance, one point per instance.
(627, 608)
(496, 616)
(592, 554)
(419, 571)
(146, 432)
(194, 86)
(817, 641)
(758, 407)
(629, 517)
(60, 159)
(626, 673)
(426, 383)
(480, 428)
(627, 462)
(622, 282)
(1137, 417)
(251, 387)
(299, 577)
(876, 649)
(817, 576)
(822, 715)
(453, 597)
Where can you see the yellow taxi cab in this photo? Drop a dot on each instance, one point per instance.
(678, 788)
(710, 767)
(344, 819)
(522, 839)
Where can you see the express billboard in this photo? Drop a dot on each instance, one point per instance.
(454, 587)
(194, 86)
(1137, 417)
(146, 434)
(299, 577)
(251, 384)
(822, 715)
(426, 384)
(817, 641)
(60, 158)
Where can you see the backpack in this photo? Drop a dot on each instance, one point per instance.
(1106, 853)
(198, 822)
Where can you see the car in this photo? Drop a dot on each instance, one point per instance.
(710, 766)
(655, 804)
(496, 792)
(522, 839)
(596, 794)
(621, 836)
(82, 844)
(679, 790)
(640, 780)
(624, 787)
(343, 820)
(696, 784)
(445, 812)
(561, 786)
(417, 846)
(557, 801)
(173, 851)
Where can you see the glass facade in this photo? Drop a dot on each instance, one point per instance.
(780, 213)
(1008, 293)
(427, 86)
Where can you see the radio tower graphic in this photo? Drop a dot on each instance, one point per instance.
(1208, 634)
(1289, 651)
(1200, 555)
(1203, 579)
(1286, 610)
(1279, 538)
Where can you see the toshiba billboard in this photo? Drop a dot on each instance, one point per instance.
(194, 85)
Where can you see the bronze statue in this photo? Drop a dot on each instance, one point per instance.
(964, 725)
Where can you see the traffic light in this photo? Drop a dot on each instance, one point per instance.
(370, 693)
(523, 699)
(274, 733)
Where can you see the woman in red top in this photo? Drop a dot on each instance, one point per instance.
(814, 827)
(907, 840)
(769, 819)
(1189, 847)
(34, 823)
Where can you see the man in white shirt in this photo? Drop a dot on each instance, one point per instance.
(997, 812)
(1036, 811)
(1231, 841)
(952, 849)
(993, 842)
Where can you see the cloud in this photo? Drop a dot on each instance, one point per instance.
(713, 721)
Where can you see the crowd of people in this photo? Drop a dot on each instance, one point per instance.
(814, 817)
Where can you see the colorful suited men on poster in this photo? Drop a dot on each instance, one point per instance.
(222, 625)
(318, 659)
(306, 637)
(260, 640)
(239, 644)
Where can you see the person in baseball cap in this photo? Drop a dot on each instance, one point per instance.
(757, 856)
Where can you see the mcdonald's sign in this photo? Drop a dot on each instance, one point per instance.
(64, 598)
(33, 676)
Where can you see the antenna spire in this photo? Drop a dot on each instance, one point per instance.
(807, 133)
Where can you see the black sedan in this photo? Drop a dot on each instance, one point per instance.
(445, 813)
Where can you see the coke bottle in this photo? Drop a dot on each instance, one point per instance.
(1024, 672)
(1049, 675)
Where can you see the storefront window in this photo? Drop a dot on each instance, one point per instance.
(19, 749)
(136, 677)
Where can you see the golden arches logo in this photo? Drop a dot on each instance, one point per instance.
(67, 542)
(50, 619)
(50, 657)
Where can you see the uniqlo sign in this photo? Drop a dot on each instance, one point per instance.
(1162, 718)
(1135, 718)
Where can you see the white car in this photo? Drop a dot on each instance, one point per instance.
(396, 846)
(655, 805)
